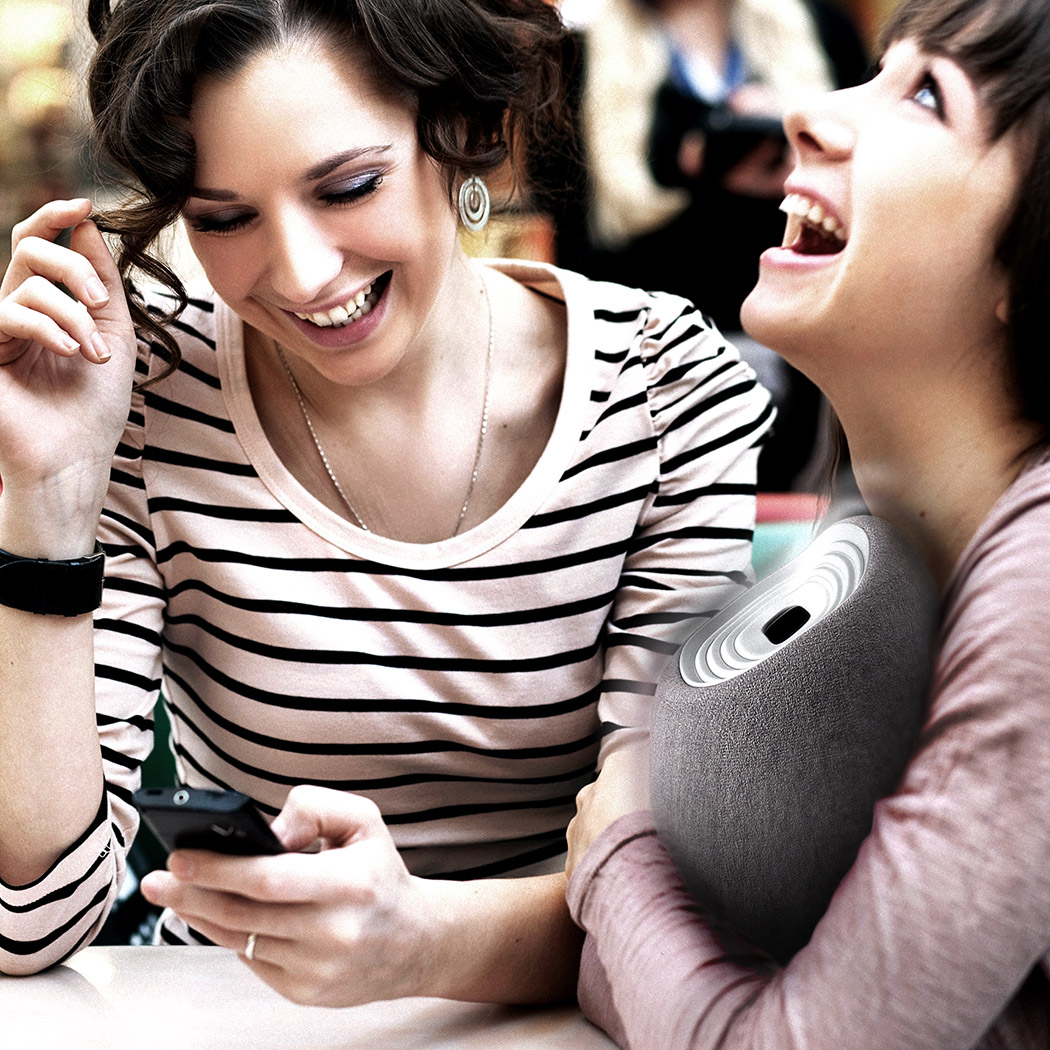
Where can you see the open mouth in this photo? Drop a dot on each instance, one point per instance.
(353, 309)
(811, 229)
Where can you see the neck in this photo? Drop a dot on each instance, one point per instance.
(935, 467)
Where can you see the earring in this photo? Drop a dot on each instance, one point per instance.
(474, 204)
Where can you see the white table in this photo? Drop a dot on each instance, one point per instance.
(190, 998)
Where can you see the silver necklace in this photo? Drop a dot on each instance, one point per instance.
(481, 431)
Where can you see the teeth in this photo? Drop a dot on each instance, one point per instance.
(801, 210)
(792, 229)
(353, 309)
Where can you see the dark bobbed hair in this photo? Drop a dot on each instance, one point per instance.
(483, 76)
(1004, 48)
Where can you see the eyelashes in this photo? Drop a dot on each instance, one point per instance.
(208, 224)
(346, 194)
(354, 191)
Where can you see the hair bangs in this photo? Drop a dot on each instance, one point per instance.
(1002, 45)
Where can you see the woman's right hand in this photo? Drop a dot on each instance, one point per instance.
(66, 370)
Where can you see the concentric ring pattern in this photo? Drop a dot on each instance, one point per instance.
(779, 608)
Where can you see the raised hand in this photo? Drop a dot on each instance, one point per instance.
(63, 316)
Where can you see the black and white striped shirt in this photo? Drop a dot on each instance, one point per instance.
(467, 686)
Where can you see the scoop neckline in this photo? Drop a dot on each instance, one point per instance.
(476, 541)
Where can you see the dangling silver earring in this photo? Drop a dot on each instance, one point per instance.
(474, 204)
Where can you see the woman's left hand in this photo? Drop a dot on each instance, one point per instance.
(340, 927)
(622, 787)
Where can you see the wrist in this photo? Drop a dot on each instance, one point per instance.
(64, 587)
(47, 524)
(499, 940)
(438, 969)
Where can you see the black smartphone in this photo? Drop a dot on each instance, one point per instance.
(199, 818)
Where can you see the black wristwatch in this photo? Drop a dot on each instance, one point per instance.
(56, 588)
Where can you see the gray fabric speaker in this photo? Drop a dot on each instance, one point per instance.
(783, 721)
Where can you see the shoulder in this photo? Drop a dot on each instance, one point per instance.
(612, 316)
(197, 319)
(193, 328)
(996, 618)
(678, 351)
(989, 719)
(1011, 547)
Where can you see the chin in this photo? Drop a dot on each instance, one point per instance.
(768, 324)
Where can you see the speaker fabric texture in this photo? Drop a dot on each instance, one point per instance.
(781, 723)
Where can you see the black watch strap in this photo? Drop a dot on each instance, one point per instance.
(56, 588)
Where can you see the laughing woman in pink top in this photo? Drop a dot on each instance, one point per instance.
(921, 306)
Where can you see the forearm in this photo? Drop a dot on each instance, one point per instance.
(50, 763)
(655, 974)
(503, 940)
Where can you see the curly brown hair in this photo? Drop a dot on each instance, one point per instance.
(485, 78)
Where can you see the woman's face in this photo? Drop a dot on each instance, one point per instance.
(315, 214)
(895, 205)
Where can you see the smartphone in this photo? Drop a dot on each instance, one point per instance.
(199, 818)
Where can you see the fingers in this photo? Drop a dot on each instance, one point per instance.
(89, 322)
(292, 878)
(102, 289)
(225, 917)
(39, 312)
(42, 227)
(335, 817)
(51, 219)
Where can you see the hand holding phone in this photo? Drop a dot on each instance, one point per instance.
(200, 818)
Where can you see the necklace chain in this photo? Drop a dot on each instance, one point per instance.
(483, 429)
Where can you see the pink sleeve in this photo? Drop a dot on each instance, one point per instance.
(653, 972)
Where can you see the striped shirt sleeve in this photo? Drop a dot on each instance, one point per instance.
(691, 550)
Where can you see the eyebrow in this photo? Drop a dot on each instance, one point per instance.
(318, 171)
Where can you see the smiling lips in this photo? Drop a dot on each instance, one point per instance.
(356, 307)
(811, 229)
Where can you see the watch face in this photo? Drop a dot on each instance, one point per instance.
(56, 588)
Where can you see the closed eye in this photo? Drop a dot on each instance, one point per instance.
(345, 193)
(219, 224)
(353, 191)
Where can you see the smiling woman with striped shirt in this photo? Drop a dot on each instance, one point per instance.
(403, 538)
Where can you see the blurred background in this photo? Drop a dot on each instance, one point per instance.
(43, 120)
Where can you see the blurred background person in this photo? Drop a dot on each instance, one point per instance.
(683, 160)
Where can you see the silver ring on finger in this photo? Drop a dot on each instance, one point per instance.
(249, 948)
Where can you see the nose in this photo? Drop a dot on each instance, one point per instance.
(304, 260)
(823, 126)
